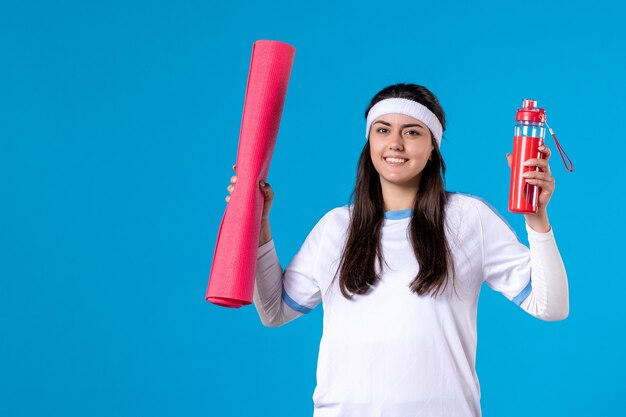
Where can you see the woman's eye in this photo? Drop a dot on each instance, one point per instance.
(381, 129)
(413, 132)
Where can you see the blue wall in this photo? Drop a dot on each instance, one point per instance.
(119, 124)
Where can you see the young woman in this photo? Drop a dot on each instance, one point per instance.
(400, 270)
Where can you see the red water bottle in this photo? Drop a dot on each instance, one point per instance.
(530, 133)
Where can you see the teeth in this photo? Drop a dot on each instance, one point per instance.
(395, 160)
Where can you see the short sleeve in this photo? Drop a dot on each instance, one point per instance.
(301, 290)
(506, 260)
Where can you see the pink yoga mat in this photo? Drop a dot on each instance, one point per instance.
(231, 280)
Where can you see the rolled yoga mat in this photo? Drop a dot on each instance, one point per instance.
(231, 280)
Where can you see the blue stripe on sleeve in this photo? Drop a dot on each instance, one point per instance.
(293, 304)
(523, 294)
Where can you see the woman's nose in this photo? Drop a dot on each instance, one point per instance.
(396, 142)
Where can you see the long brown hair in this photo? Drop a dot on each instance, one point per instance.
(363, 245)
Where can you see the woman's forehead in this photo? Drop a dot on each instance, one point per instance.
(398, 118)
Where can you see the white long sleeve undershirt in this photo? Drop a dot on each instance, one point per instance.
(549, 298)
(268, 289)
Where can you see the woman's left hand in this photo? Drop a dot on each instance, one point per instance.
(544, 179)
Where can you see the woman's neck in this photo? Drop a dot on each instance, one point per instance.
(398, 198)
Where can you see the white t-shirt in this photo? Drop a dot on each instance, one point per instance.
(391, 352)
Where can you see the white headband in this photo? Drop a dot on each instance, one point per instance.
(408, 108)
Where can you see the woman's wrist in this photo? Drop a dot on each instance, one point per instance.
(538, 222)
(265, 235)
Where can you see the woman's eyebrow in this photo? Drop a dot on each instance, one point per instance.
(403, 126)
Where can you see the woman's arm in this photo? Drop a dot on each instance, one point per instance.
(268, 288)
(266, 232)
(268, 285)
(549, 297)
(273, 303)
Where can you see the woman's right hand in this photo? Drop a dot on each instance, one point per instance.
(265, 187)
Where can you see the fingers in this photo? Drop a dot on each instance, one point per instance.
(540, 182)
(545, 151)
(536, 162)
(542, 179)
(231, 187)
(541, 175)
(542, 163)
(265, 187)
(547, 186)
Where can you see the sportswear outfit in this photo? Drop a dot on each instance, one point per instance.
(392, 352)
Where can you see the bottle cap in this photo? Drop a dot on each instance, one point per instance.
(530, 112)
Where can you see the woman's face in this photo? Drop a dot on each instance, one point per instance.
(403, 137)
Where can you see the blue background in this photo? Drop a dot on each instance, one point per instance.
(119, 124)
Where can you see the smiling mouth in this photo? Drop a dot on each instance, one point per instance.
(395, 161)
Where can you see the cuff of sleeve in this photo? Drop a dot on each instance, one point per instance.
(542, 236)
(265, 248)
